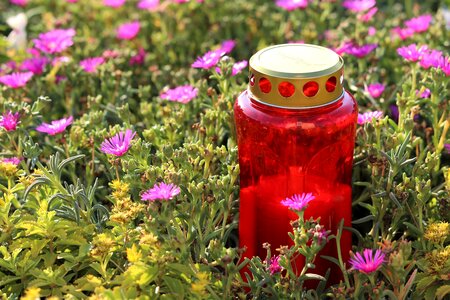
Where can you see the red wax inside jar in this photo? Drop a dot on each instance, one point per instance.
(283, 152)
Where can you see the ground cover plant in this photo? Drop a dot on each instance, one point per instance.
(119, 176)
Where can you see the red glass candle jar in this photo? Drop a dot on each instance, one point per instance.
(296, 132)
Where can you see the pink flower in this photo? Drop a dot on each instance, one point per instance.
(110, 54)
(22, 3)
(56, 126)
(55, 41)
(139, 58)
(360, 51)
(114, 3)
(208, 60)
(369, 263)
(291, 4)
(16, 80)
(319, 233)
(237, 67)
(9, 120)
(375, 89)
(368, 15)
(368, 116)
(411, 52)
(419, 24)
(371, 31)
(444, 65)
(150, 5)
(403, 33)
(128, 31)
(274, 265)
(34, 65)
(430, 59)
(358, 5)
(447, 147)
(425, 94)
(11, 160)
(90, 65)
(119, 144)
(298, 201)
(226, 47)
(161, 191)
(182, 94)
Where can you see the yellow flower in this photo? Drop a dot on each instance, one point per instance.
(133, 254)
(437, 232)
(32, 293)
(199, 287)
(120, 189)
(438, 259)
(102, 244)
(8, 169)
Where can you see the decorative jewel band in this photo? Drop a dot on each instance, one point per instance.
(296, 92)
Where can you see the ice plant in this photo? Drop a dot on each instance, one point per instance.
(403, 33)
(367, 263)
(9, 121)
(11, 160)
(55, 41)
(274, 265)
(358, 5)
(412, 52)
(56, 126)
(238, 67)
(291, 4)
(208, 60)
(182, 94)
(375, 89)
(119, 144)
(16, 80)
(90, 65)
(161, 191)
(419, 24)
(35, 65)
(368, 15)
(22, 3)
(128, 31)
(298, 201)
(444, 65)
(114, 3)
(430, 59)
(360, 51)
(139, 58)
(150, 5)
(368, 116)
(226, 47)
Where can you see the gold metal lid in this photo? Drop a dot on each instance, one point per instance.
(296, 76)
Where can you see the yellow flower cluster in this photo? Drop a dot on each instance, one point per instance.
(199, 287)
(8, 169)
(102, 244)
(124, 209)
(438, 259)
(437, 232)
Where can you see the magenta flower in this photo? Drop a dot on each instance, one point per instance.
(375, 89)
(55, 41)
(128, 31)
(56, 126)
(425, 94)
(368, 116)
(114, 3)
(274, 265)
(208, 60)
(360, 51)
(291, 4)
(403, 33)
(161, 191)
(358, 5)
(447, 147)
(150, 5)
(319, 233)
(182, 94)
(119, 144)
(139, 58)
(9, 120)
(35, 65)
(411, 52)
(367, 263)
(371, 31)
(419, 24)
(22, 3)
(368, 15)
(430, 59)
(238, 67)
(226, 47)
(16, 80)
(444, 65)
(298, 201)
(11, 160)
(90, 65)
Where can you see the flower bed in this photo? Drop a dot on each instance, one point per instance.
(119, 168)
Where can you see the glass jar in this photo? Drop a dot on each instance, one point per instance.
(296, 133)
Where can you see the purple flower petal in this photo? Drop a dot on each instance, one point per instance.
(161, 191)
(119, 144)
(56, 126)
